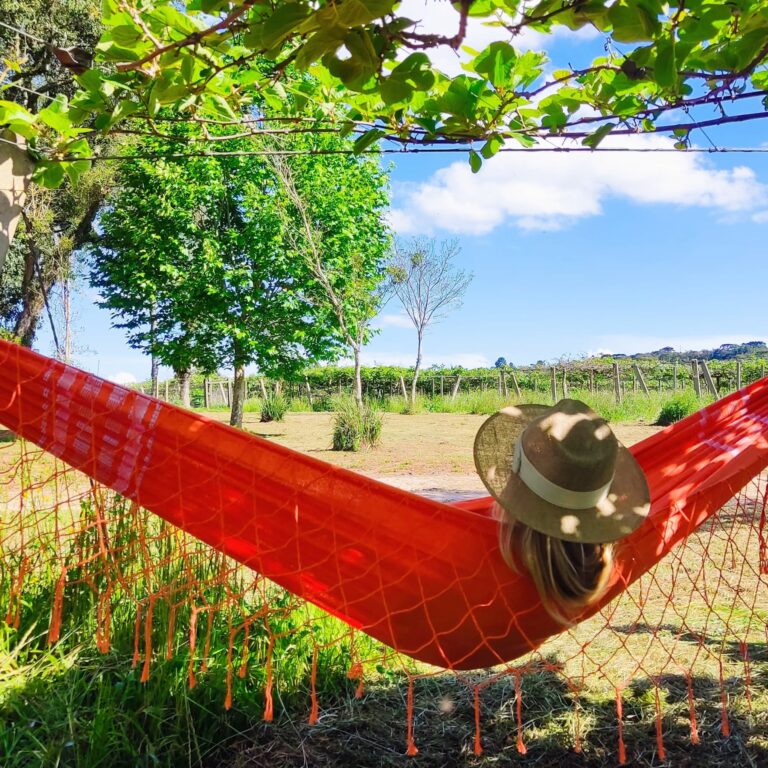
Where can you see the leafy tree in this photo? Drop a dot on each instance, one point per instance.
(199, 261)
(500, 363)
(667, 67)
(428, 286)
(336, 209)
(55, 224)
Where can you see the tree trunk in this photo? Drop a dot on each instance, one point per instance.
(154, 364)
(358, 376)
(33, 303)
(238, 397)
(184, 378)
(417, 369)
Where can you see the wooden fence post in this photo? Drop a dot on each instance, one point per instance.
(695, 375)
(617, 382)
(405, 391)
(738, 375)
(206, 403)
(166, 391)
(565, 382)
(592, 381)
(309, 394)
(674, 378)
(515, 385)
(708, 379)
(455, 389)
(442, 386)
(640, 380)
(554, 384)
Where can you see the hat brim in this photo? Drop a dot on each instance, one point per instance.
(625, 508)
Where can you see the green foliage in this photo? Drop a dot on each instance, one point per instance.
(371, 71)
(274, 407)
(355, 426)
(678, 408)
(204, 262)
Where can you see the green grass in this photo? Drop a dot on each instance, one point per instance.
(71, 704)
(635, 407)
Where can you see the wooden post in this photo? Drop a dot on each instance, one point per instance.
(592, 381)
(504, 388)
(206, 396)
(263, 387)
(309, 394)
(639, 379)
(695, 376)
(565, 383)
(708, 379)
(433, 386)
(166, 390)
(405, 391)
(617, 382)
(442, 386)
(515, 385)
(738, 375)
(553, 372)
(674, 377)
(455, 390)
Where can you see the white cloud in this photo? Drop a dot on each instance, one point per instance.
(394, 321)
(122, 377)
(541, 191)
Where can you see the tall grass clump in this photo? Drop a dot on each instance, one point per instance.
(678, 408)
(273, 408)
(355, 426)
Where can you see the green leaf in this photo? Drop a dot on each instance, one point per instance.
(491, 147)
(632, 21)
(283, 22)
(475, 161)
(125, 35)
(394, 89)
(48, 173)
(496, 63)
(366, 140)
(594, 139)
(665, 71)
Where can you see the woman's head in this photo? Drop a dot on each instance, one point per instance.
(566, 488)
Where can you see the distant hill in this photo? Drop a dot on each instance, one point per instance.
(743, 351)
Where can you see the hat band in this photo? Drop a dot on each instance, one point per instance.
(551, 492)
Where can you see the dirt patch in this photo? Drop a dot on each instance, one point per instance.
(429, 453)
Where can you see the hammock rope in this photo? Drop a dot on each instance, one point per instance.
(423, 577)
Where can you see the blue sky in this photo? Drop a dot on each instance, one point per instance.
(571, 254)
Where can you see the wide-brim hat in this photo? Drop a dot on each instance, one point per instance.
(561, 471)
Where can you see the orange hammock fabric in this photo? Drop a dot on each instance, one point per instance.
(423, 577)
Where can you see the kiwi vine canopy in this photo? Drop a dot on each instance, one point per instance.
(423, 577)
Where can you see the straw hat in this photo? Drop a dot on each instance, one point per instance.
(561, 471)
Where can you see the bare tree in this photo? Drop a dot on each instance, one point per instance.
(427, 284)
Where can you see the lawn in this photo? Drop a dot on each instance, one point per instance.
(687, 639)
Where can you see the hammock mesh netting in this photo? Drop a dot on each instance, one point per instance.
(118, 509)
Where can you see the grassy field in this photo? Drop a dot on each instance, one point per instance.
(699, 619)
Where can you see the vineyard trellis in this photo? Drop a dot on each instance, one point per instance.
(705, 378)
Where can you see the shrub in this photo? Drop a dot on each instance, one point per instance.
(355, 426)
(678, 408)
(273, 408)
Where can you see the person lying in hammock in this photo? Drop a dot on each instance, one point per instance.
(566, 491)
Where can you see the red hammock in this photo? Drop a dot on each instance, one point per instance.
(423, 577)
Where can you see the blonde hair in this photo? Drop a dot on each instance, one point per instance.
(568, 575)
